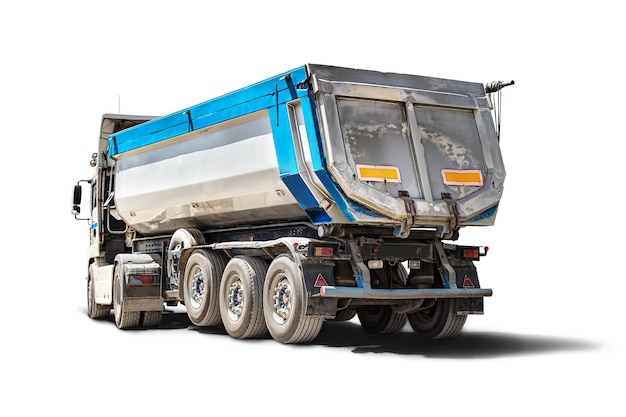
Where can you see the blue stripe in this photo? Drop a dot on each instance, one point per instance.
(259, 96)
(318, 159)
(288, 166)
(484, 215)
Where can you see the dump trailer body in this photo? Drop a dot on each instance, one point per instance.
(334, 146)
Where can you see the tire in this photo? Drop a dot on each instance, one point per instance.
(202, 276)
(123, 319)
(344, 315)
(381, 319)
(94, 311)
(241, 297)
(439, 321)
(150, 318)
(285, 304)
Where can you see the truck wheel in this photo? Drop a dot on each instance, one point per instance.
(123, 319)
(381, 319)
(202, 282)
(344, 315)
(285, 304)
(241, 297)
(94, 311)
(439, 321)
(150, 318)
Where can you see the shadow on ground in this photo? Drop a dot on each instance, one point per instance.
(350, 335)
(469, 344)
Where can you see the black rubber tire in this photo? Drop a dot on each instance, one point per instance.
(241, 297)
(94, 310)
(202, 276)
(381, 319)
(123, 319)
(344, 315)
(439, 321)
(150, 318)
(285, 304)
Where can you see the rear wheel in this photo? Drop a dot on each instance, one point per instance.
(241, 297)
(344, 315)
(203, 272)
(439, 321)
(285, 304)
(381, 319)
(123, 319)
(150, 318)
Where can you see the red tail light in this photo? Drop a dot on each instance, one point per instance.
(141, 279)
(471, 253)
(323, 251)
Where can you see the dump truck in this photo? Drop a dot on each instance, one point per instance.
(320, 194)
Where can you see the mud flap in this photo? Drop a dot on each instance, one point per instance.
(467, 277)
(319, 274)
(470, 305)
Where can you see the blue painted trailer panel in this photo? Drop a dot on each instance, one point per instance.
(260, 96)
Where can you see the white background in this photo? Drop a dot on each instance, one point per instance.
(551, 339)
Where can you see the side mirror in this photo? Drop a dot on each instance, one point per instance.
(77, 199)
(78, 195)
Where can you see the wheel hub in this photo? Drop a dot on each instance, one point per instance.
(197, 289)
(235, 299)
(282, 295)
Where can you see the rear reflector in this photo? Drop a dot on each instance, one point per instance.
(378, 173)
(467, 177)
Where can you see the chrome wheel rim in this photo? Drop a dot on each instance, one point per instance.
(235, 299)
(196, 288)
(282, 299)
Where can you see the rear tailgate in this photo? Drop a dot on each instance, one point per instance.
(417, 150)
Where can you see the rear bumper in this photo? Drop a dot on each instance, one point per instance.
(402, 294)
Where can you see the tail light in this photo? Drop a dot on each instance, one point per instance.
(323, 249)
(472, 252)
(141, 279)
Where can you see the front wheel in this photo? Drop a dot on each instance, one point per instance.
(95, 311)
(285, 304)
(439, 321)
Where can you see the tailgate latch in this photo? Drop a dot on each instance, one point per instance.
(453, 230)
(404, 230)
